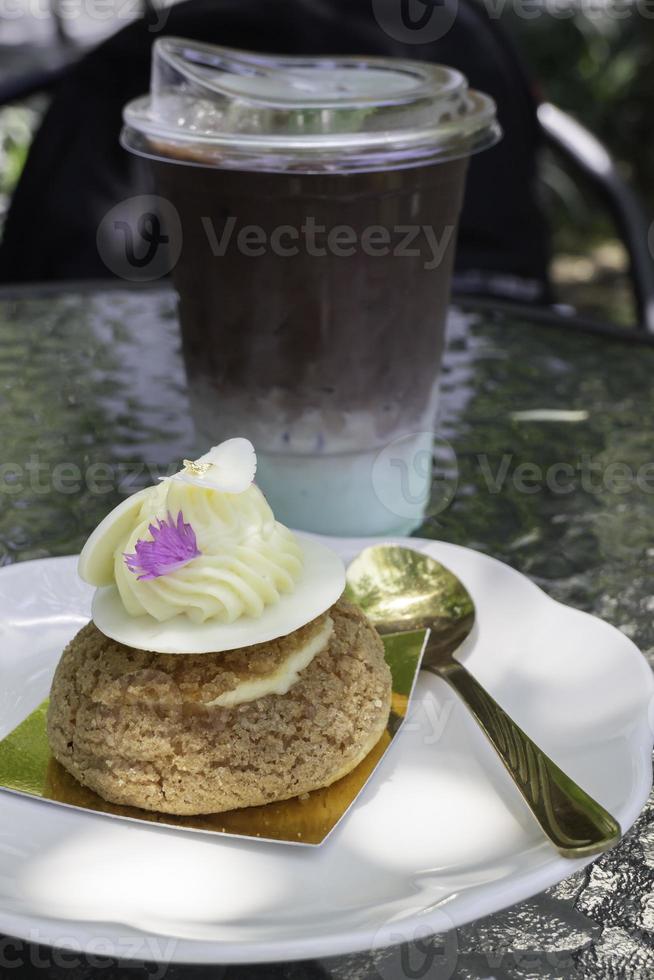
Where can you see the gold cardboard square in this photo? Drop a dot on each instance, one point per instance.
(28, 769)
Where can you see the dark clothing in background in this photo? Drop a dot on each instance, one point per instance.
(76, 170)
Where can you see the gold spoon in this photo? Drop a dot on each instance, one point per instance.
(400, 589)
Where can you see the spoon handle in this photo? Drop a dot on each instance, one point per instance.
(575, 823)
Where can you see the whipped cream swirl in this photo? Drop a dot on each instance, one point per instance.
(247, 559)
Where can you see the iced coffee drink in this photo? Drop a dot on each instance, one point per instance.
(318, 202)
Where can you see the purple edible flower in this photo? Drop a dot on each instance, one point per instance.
(173, 545)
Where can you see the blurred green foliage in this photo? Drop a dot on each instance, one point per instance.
(17, 126)
(593, 59)
(598, 65)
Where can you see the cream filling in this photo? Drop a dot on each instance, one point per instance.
(282, 679)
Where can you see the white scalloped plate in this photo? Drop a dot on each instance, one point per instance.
(439, 836)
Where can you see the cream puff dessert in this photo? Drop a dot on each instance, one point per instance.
(222, 667)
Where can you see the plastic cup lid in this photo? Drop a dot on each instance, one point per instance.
(215, 106)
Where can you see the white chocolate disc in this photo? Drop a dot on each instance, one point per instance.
(321, 584)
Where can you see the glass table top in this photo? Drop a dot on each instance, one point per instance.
(545, 459)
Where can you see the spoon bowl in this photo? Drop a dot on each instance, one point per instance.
(400, 589)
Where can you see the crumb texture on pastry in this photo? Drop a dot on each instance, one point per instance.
(137, 728)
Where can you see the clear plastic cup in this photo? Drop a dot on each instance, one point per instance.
(318, 201)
